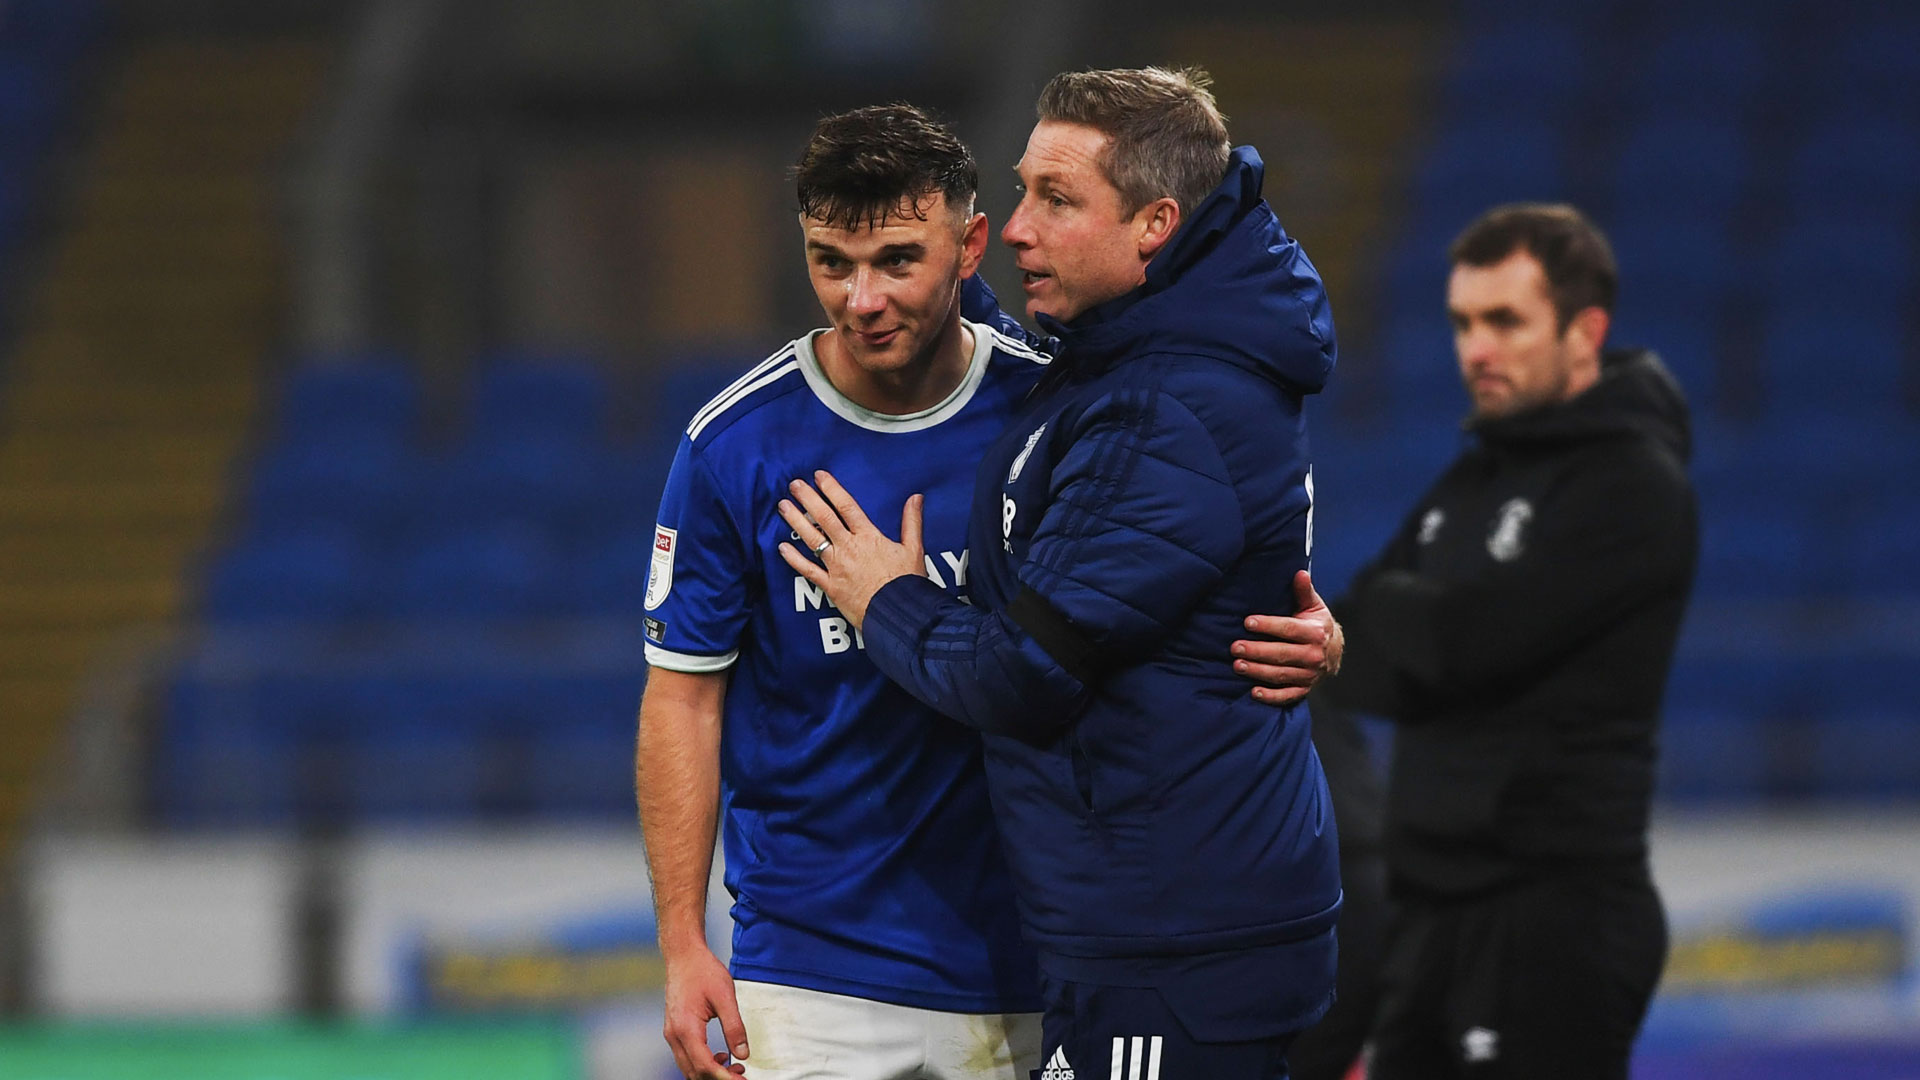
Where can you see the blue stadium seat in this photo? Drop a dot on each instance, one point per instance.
(627, 491)
(1690, 348)
(1713, 756)
(581, 764)
(1868, 755)
(1750, 684)
(1837, 460)
(503, 572)
(1682, 165)
(1815, 362)
(1762, 548)
(549, 478)
(414, 771)
(610, 577)
(682, 385)
(317, 573)
(367, 395)
(1717, 65)
(214, 765)
(1879, 680)
(1870, 165)
(1843, 263)
(365, 481)
(1878, 547)
(1418, 357)
(522, 395)
(1677, 265)
(1526, 64)
(1473, 166)
(1872, 68)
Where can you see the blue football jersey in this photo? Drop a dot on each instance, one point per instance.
(860, 846)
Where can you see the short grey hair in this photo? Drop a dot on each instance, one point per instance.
(1166, 137)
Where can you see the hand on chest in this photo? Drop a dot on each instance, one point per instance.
(802, 616)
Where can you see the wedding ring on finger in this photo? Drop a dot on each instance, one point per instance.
(822, 546)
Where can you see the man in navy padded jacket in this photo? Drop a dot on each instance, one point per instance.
(1170, 836)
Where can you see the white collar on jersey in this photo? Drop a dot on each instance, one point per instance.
(855, 413)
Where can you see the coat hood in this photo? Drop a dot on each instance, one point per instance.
(1231, 285)
(1635, 394)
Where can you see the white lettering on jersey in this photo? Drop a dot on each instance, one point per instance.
(958, 566)
(837, 637)
(807, 596)
(1007, 510)
(660, 572)
(933, 572)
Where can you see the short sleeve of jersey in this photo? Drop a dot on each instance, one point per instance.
(697, 602)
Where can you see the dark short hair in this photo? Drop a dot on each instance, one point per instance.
(1166, 136)
(867, 164)
(1572, 250)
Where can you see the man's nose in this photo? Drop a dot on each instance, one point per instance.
(1016, 233)
(864, 296)
(1475, 348)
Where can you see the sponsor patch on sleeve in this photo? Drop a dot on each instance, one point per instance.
(656, 630)
(660, 573)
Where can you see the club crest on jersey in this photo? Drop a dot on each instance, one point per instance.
(1505, 543)
(1479, 1045)
(1025, 452)
(660, 572)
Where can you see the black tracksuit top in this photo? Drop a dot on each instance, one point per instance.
(1520, 626)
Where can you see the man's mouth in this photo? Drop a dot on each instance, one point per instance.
(876, 338)
(1031, 279)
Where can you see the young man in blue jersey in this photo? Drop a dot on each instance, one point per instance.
(1170, 837)
(875, 934)
(875, 930)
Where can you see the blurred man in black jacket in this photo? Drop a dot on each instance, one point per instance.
(1519, 627)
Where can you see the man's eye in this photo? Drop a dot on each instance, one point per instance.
(1056, 201)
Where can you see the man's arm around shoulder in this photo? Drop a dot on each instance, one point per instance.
(677, 778)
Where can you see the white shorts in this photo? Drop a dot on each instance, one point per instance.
(796, 1034)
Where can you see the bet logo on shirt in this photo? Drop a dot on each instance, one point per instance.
(660, 572)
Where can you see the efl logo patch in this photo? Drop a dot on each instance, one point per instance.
(660, 573)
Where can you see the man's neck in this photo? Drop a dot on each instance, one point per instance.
(917, 387)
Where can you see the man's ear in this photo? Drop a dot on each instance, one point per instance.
(973, 245)
(1157, 222)
(1587, 331)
